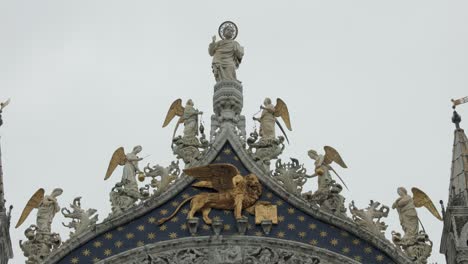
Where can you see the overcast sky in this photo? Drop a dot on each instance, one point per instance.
(373, 79)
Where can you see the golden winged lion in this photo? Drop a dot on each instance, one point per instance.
(234, 191)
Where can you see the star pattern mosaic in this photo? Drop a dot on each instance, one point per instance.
(293, 224)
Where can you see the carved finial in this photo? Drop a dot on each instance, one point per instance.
(443, 208)
(456, 119)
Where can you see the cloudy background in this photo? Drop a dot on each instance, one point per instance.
(371, 78)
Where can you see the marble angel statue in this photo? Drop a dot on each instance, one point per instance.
(46, 205)
(187, 147)
(268, 118)
(322, 165)
(414, 242)
(126, 192)
(406, 208)
(41, 241)
(188, 115)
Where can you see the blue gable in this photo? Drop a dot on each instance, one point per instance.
(294, 225)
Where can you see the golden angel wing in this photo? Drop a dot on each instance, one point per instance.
(332, 155)
(281, 110)
(216, 176)
(118, 158)
(33, 202)
(176, 109)
(421, 199)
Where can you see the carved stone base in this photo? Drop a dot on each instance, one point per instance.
(264, 150)
(417, 248)
(39, 245)
(121, 200)
(189, 149)
(227, 106)
(328, 199)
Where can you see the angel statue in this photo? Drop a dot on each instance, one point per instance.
(125, 193)
(235, 192)
(3, 105)
(415, 243)
(186, 146)
(47, 206)
(227, 53)
(322, 165)
(268, 119)
(187, 115)
(40, 238)
(269, 147)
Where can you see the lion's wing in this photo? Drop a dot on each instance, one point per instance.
(219, 175)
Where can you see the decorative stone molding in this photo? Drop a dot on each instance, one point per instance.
(228, 250)
(227, 107)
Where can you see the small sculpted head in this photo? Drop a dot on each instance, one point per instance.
(137, 149)
(30, 232)
(56, 192)
(228, 32)
(267, 101)
(312, 154)
(402, 191)
(190, 102)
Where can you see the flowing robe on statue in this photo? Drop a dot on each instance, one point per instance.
(227, 55)
(408, 216)
(325, 178)
(267, 123)
(190, 122)
(46, 212)
(129, 175)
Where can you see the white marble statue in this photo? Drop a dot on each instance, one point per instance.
(227, 54)
(190, 120)
(125, 193)
(188, 115)
(407, 213)
(130, 172)
(268, 118)
(47, 206)
(322, 165)
(41, 241)
(414, 243)
(187, 147)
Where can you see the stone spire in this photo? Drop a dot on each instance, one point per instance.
(454, 242)
(6, 251)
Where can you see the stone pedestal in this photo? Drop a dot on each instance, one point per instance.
(227, 107)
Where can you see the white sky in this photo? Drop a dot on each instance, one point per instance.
(371, 78)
